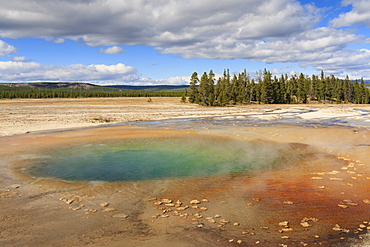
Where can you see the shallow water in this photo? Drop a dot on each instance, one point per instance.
(130, 160)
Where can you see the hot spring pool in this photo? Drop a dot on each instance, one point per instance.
(156, 158)
(253, 177)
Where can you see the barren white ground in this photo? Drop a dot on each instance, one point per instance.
(20, 116)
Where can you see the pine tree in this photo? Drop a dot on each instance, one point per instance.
(266, 88)
(338, 90)
(251, 91)
(206, 89)
(357, 92)
(211, 89)
(312, 90)
(194, 94)
(242, 87)
(330, 81)
(348, 90)
(302, 89)
(364, 94)
(234, 90)
(290, 91)
(183, 98)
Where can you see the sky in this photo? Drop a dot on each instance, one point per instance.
(150, 42)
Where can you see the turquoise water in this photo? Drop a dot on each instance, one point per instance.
(159, 158)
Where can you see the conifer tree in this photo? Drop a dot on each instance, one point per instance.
(364, 95)
(211, 89)
(302, 89)
(338, 89)
(194, 80)
(234, 90)
(290, 91)
(313, 88)
(348, 90)
(242, 87)
(251, 91)
(206, 89)
(266, 88)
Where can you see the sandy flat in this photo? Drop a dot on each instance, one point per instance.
(19, 116)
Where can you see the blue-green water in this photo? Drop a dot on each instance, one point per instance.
(159, 158)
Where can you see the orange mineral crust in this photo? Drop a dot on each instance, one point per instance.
(315, 192)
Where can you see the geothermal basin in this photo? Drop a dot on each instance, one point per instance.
(190, 182)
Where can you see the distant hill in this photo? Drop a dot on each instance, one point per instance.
(55, 85)
(155, 88)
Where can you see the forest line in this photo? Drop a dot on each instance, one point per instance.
(302, 89)
(44, 93)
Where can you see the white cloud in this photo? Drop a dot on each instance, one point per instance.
(307, 46)
(153, 23)
(20, 59)
(265, 31)
(359, 15)
(112, 50)
(6, 48)
(177, 80)
(276, 72)
(55, 40)
(354, 62)
(32, 71)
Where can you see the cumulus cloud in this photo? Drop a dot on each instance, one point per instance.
(6, 48)
(359, 15)
(177, 80)
(306, 46)
(266, 31)
(32, 71)
(55, 40)
(20, 59)
(112, 50)
(173, 81)
(153, 23)
(357, 62)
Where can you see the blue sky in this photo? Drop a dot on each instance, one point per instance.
(141, 42)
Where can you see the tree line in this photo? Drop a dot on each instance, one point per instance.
(42, 94)
(268, 89)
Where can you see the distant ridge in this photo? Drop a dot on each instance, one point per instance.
(153, 88)
(52, 85)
